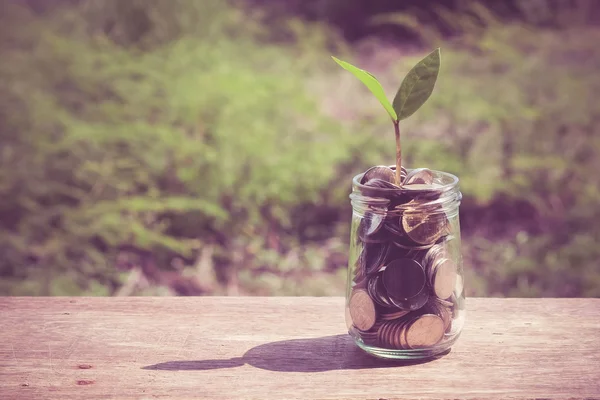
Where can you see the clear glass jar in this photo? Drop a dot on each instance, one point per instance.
(405, 293)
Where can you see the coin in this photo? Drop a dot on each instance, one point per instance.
(403, 278)
(362, 310)
(403, 170)
(371, 334)
(396, 252)
(369, 225)
(439, 308)
(375, 222)
(421, 192)
(359, 273)
(403, 243)
(444, 278)
(381, 334)
(379, 172)
(424, 331)
(389, 334)
(446, 316)
(378, 191)
(381, 184)
(423, 228)
(434, 254)
(411, 304)
(377, 293)
(394, 315)
(374, 255)
(445, 303)
(392, 226)
(360, 283)
(419, 176)
(395, 340)
(402, 336)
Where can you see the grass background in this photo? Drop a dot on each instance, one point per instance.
(181, 147)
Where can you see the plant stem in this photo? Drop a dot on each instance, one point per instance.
(398, 152)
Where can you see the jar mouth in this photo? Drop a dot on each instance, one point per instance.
(447, 182)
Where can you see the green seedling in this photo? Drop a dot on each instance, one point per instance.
(415, 89)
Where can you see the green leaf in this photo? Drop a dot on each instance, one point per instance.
(417, 86)
(371, 83)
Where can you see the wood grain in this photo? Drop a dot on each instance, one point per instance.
(285, 348)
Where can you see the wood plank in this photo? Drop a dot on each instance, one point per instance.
(285, 348)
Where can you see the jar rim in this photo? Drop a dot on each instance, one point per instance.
(442, 187)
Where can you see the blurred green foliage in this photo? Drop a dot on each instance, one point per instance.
(517, 118)
(168, 136)
(179, 134)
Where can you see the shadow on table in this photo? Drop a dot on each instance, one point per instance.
(300, 355)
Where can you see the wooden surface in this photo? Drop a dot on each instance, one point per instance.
(285, 348)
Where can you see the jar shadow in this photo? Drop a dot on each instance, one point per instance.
(321, 354)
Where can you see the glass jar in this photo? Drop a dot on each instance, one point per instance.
(405, 294)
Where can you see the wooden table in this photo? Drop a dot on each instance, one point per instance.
(285, 348)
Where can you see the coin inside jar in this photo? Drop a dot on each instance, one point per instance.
(379, 172)
(419, 176)
(423, 228)
(412, 303)
(425, 331)
(374, 255)
(370, 224)
(394, 315)
(444, 278)
(403, 278)
(377, 292)
(362, 310)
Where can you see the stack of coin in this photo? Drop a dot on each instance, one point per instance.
(405, 282)
(411, 332)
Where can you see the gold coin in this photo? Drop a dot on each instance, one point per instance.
(425, 331)
(362, 310)
(444, 278)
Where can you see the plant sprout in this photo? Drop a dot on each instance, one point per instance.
(415, 89)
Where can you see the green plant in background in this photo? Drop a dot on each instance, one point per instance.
(521, 129)
(415, 89)
(168, 137)
(160, 125)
